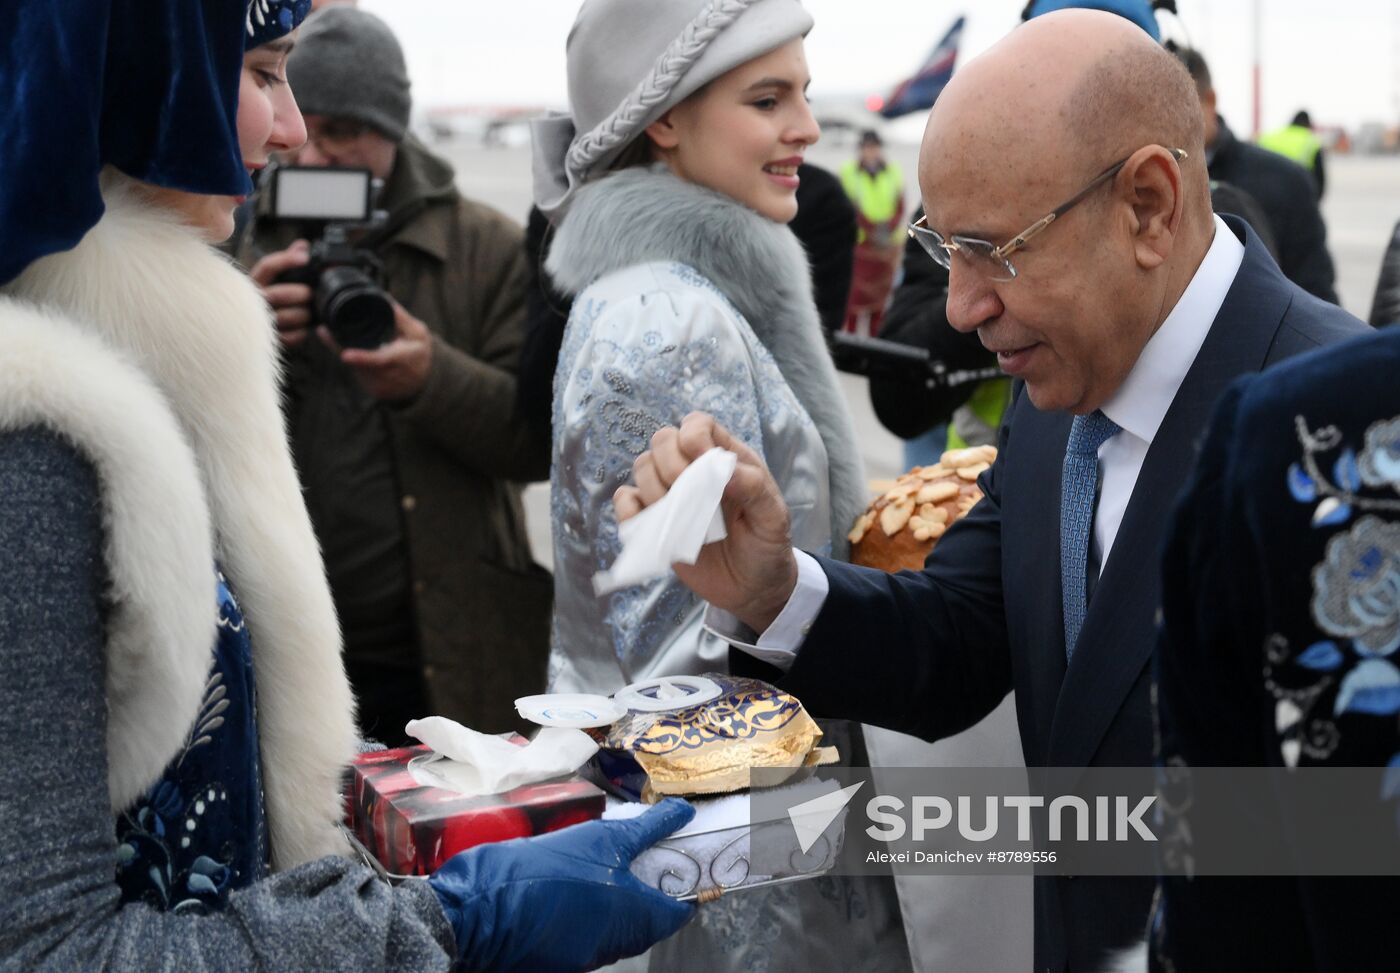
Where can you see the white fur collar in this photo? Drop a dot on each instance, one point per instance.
(639, 215)
(158, 323)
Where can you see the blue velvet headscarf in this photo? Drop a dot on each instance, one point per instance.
(148, 86)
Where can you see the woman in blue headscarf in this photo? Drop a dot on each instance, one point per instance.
(173, 709)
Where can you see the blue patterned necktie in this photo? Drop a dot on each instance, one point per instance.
(1079, 482)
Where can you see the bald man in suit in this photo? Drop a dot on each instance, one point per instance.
(1065, 184)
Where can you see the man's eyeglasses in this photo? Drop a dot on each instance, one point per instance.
(990, 260)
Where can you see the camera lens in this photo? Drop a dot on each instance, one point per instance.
(357, 312)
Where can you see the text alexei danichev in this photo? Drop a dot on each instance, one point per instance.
(958, 857)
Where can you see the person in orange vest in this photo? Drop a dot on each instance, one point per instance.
(876, 187)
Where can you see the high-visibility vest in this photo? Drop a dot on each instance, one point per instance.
(878, 198)
(1295, 142)
(987, 405)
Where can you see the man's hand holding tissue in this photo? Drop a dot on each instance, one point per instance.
(752, 572)
(563, 901)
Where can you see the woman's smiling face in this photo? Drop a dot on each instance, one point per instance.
(745, 133)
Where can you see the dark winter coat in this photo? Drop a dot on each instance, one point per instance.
(1288, 197)
(1385, 307)
(481, 605)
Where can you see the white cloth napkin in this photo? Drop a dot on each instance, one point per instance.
(672, 530)
(478, 763)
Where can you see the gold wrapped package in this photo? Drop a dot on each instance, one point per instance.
(710, 748)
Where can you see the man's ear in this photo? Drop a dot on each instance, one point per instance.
(663, 133)
(1151, 182)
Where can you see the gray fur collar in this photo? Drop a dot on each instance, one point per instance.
(641, 215)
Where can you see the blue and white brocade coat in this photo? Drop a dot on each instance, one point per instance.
(685, 302)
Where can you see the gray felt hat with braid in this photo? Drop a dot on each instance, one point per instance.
(630, 61)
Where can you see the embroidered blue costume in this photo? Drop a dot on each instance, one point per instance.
(1281, 605)
(201, 831)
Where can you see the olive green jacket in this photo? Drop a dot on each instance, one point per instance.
(482, 605)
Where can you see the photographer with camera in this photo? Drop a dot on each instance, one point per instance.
(401, 339)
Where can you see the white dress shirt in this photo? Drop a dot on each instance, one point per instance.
(1138, 408)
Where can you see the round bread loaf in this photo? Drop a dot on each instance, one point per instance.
(901, 527)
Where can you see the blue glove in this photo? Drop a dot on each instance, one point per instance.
(563, 901)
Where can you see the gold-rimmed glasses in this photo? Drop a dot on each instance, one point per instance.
(990, 260)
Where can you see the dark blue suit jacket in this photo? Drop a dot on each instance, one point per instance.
(932, 652)
(1268, 599)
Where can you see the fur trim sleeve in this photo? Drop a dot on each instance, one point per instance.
(158, 542)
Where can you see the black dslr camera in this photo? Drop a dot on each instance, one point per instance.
(345, 279)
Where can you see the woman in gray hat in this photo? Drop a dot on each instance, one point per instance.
(670, 183)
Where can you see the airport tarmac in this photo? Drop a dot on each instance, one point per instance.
(1361, 207)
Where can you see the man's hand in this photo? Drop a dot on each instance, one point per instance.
(395, 371)
(290, 303)
(752, 572)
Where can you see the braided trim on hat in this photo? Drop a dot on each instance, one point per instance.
(678, 58)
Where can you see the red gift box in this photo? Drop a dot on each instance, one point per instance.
(413, 827)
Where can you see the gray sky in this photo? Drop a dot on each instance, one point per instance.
(1340, 59)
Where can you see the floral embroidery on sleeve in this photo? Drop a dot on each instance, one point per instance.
(1355, 593)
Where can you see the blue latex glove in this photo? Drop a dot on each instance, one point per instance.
(563, 901)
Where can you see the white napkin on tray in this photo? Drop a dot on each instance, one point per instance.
(476, 763)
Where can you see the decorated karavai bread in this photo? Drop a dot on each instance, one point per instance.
(711, 747)
(901, 527)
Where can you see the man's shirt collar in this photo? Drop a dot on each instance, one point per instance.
(1142, 401)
